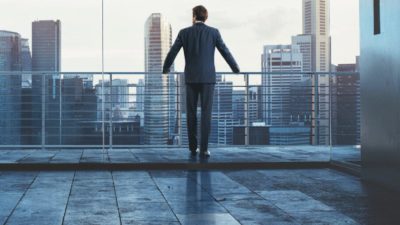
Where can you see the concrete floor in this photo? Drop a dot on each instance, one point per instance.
(180, 155)
(309, 196)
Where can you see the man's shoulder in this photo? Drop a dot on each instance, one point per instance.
(190, 28)
(212, 28)
(185, 29)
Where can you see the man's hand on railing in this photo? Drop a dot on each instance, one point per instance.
(165, 71)
(237, 70)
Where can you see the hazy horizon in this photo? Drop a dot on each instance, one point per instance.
(245, 26)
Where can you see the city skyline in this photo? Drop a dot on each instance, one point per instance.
(124, 29)
(160, 112)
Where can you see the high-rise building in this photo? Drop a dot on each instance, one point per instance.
(26, 59)
(316, 22)
(78, 105)
(46, 57)
(157, 99)
(258, 135)
(301, 103)
(346, 106)
(238, 104)
(278, 94)
(222, 128)
(10, 88)
(140, 95)
(26, 94)
(46, 45)
(120, 93)
(116, 97)
(255, 105)
(86, 78)
(276, 87)
(305, 42)
(222, 113)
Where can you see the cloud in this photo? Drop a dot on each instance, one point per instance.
(221, 21)
(275, 23)
(272, 23)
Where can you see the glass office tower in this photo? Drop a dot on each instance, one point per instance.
(10, 87)
(46, 57)
(157, 99)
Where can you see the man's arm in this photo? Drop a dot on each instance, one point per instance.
(172, 53)
(226, 54)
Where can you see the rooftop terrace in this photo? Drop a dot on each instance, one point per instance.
(306, 196)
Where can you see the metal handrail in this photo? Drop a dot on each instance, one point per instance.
(175, 73)
(317, 96)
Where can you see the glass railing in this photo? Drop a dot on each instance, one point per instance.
(131, 109)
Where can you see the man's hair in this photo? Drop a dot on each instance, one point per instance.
(200, 13)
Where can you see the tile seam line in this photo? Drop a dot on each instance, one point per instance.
(253, 191)
(20, 199)
(169, 206)
(25, 157)
(69, 195)
(116, 198)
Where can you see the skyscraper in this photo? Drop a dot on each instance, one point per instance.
(26, 93)
(157, 99)
(10, 88)
(316, 22)
(46, 56)
(46, 45)
(305, 42)
(26, 59)
(222, 112)
(279, 58)
(278, 89)
(346, 107)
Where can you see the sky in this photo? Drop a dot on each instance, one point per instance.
(246, 26)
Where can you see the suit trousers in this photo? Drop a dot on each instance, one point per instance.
(206, 92)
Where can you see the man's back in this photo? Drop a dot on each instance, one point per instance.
(199, 42)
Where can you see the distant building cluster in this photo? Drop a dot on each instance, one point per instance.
(296, 103)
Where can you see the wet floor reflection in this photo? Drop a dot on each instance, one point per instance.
(198, 187)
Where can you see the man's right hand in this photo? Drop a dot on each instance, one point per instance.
(236, 70)
(165, 71)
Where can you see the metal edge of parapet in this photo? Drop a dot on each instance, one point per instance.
(201, 165)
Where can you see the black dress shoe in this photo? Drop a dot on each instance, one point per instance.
(205, 154)
(194, 152)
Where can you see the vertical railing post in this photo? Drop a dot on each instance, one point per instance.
(110, 140)
(43, 138)
(246, 110)
(316, 108)
(178, 107)
(60, 109)
(102, 77)
(330, 112)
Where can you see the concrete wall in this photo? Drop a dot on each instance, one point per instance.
(380, 93)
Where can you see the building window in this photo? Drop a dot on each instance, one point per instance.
(377, 17)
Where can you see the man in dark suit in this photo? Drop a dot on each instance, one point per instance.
(199, 42)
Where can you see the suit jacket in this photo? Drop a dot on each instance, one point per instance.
(199, 42)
